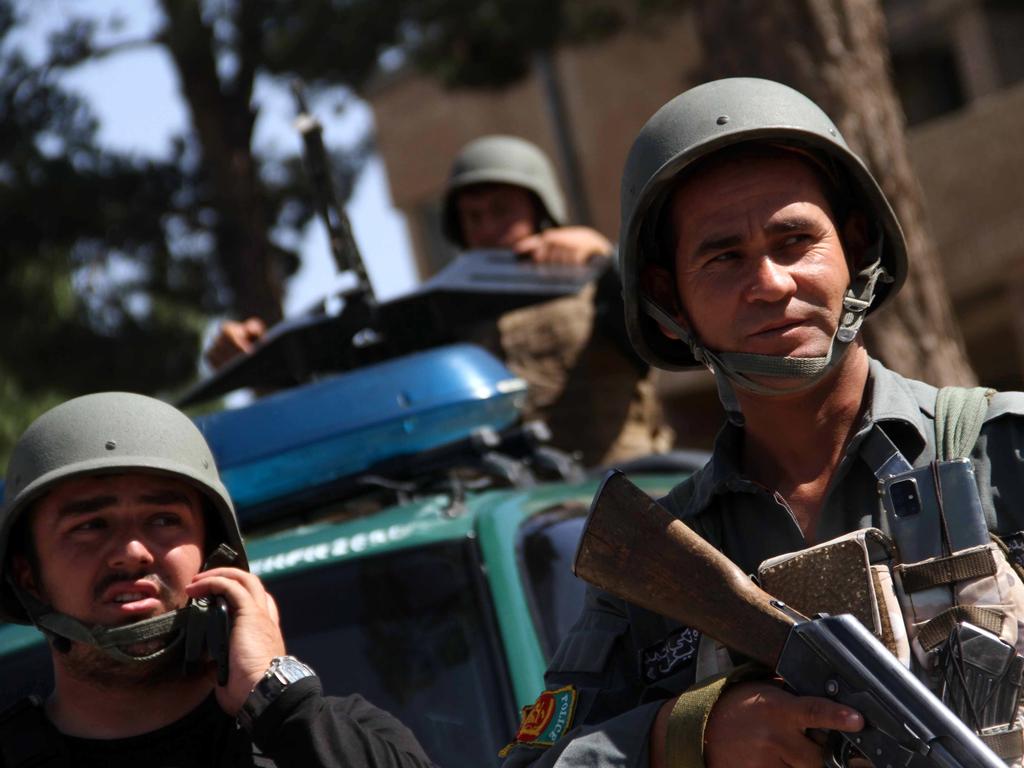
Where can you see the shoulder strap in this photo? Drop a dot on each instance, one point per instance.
(28, 740)
(959, 416)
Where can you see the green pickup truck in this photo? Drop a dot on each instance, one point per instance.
(417, 537)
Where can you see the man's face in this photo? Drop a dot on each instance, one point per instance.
(759, 264)
(114, 549)
(495, 215)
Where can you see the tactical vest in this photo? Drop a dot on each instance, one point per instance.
(929, 613)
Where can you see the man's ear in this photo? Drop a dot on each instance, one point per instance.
(659, 286)
(856, 239)
(23, 575)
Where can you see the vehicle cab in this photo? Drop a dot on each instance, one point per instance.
(417, 537)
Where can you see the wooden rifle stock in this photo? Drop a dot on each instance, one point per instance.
(633, 548)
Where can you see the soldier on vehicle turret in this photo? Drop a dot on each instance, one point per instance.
(584, 381)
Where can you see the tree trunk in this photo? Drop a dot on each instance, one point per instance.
(223, 122)
(836, 52)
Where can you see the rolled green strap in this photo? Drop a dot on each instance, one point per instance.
(684, 740)
(959, 415)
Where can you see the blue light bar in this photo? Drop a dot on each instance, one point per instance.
(309, 436)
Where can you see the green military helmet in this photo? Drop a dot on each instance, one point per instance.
(503, 160)
(107, 433)
(709, 118)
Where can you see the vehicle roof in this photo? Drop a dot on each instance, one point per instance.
(317, 434)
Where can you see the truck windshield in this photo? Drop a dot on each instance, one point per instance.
(414, 633)
(546, 548)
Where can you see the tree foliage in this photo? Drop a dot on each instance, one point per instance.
(91, 296)
(464, 43)
(112, 264)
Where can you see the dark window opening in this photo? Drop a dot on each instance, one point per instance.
(928, 82)
(546, 547)
(1006, 27)
(438, 251)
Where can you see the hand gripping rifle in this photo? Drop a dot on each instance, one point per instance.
(635, 549)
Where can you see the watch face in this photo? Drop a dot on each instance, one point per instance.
(288, 669)
(283, 671)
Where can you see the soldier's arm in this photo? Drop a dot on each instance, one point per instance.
(303, 728)
(564, 245)
(234, 339)
(729, 722)
(596, 665)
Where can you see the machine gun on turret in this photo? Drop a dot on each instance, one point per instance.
(474, 287)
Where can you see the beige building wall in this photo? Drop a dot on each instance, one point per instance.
(610, 90)
(971, 166)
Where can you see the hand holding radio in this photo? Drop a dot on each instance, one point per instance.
(255, 631)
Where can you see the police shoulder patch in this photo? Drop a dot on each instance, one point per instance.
(546, 720)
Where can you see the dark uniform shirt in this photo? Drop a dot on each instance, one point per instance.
(626, 662)
(300, 729)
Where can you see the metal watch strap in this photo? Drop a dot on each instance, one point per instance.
(282, 672)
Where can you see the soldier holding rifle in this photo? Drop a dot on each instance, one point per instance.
(755, 243)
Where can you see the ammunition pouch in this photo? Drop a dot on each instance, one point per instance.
(849, 574)
(963, 606)
(976, 585)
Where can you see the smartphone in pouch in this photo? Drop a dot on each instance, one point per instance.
(911, 501)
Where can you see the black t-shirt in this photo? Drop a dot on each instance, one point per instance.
(302, 728)
(205, 737)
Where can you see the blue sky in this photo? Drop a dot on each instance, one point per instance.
(135, 95)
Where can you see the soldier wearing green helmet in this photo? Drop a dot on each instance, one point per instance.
(491, 162)
(119, 542)
(584, 381)
(754, 243)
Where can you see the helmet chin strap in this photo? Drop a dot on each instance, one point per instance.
(736, 369)
(184, 625)
(63, 630)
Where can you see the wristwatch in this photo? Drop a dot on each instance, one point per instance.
(282, 672)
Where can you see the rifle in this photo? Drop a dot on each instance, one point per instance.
(635, 549)
(347, 257)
